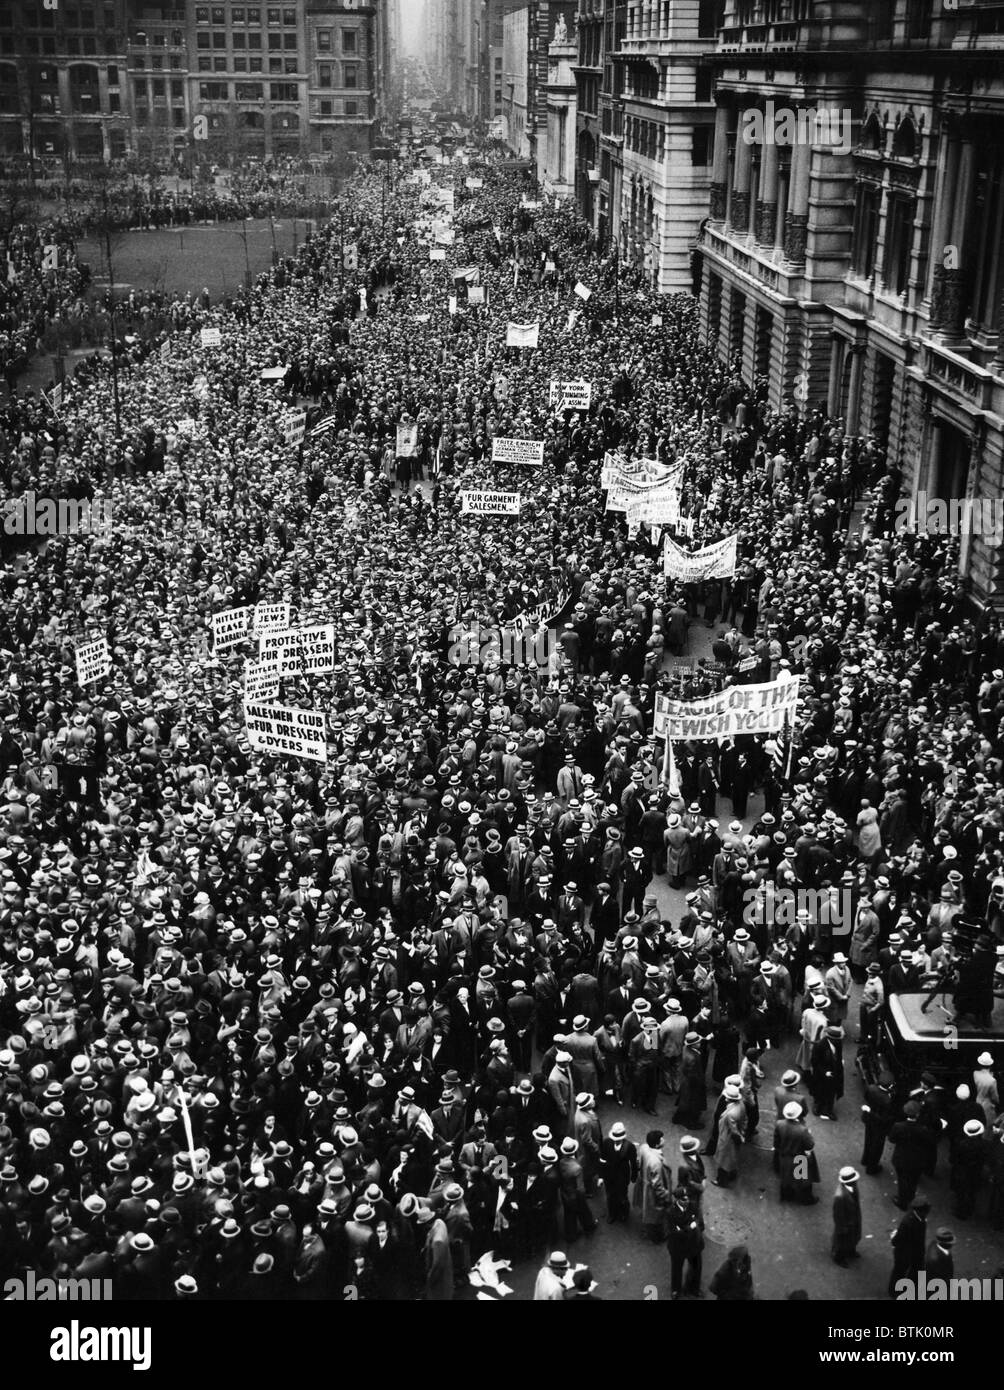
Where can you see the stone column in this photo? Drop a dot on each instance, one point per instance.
(798, 203)
(956, 276)
(720, 165)
(766, 214)
(836, 376)
(948, 173)
(741, 185)
(857, 354)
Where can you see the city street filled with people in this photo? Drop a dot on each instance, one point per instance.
(499, 994)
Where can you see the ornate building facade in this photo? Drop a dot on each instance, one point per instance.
(854, 251)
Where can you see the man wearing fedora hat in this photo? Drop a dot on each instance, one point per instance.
(846, 1217)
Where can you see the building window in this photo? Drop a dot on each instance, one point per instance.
(255, 65)
(214, 91)
(202, 40)
(700, 150)
(219, 14)
(898, 242)
(866, 211)
(240, 65)
(352, 108)
(220, 64)
(249, 91)
(254, 15)
(283, 91)
(349, 75)
(205, 65)
(273, 17)
(202, 14)
(324, 40)
(324, 75)
(348, 41)
(237, 15)
(289, 18)
(289, 42)
(219, 40)
(239, 40)
(324, 108)
(289, 66)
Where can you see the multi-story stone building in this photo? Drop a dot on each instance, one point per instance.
(98, 81)
(663, 90)
(588, 72)
(529, 27)
(63, 96)
(854, 254)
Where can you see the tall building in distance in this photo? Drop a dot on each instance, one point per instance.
(854, 252)
(159, 78)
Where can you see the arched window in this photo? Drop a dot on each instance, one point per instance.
(904, 142)
(872, 135)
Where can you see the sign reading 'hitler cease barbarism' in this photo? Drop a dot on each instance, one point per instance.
(744, 709)
(518, 451)
(295, 733)
(489, 504)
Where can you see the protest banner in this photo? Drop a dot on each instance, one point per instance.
(716, 561)
(261, 680)
(522, 335)
(165, 350)
(747, 664)
(295, 427)
(94, 660)
(470, 273)
(310, 650)
(407, 441)
(274, 373)
(231, 628)
(583, 291)
(742, 709)
(474, 184)
(489, 504)
(271, 617)
(437, 254)
(656, 320)
(211, 337)
(476, 296)
(292, 733)
(452, 305)
(518, 451)
(528, 204)
(571, 395)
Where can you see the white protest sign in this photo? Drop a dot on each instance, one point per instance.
(407, 441)
(295, 427)
(296, 733)
(476, 295)
(656, 320)
(742, 709)
(489, 503)
(583, 292)
(571, 395)
(231, 628)
(94, 660)
(452, 305)
(522, 335)
(211, 337)
(437, 255)
(716, 561)
(518, 451)
(474, 184)
(528, 205)
(271, 617)
(261, 680)
(307, 649)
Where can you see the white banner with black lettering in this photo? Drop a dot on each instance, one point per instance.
(716, 561)
(292, 733)
(489, 504)
(518, 451)
(231, 628)
(94, 660)
(310, 650)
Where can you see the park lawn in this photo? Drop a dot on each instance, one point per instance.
(192, 258)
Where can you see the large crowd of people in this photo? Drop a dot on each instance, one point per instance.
(279, 1028)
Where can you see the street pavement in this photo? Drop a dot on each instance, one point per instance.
(789, 1245)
